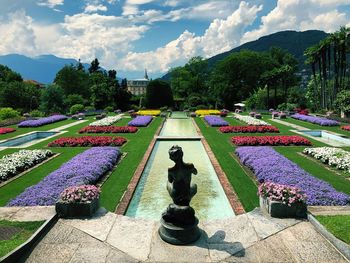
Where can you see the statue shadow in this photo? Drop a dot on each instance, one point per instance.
(217, 242)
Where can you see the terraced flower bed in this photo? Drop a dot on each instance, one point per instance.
(140, 121)
(149, 112)
(316, 120)
(207, 112)
(42, 121)
(248, 129)
(108, 129)
(107, 121)
(270, 140)
(332, 156)
(270, 166)
(84, 168)
(6, 130)
(250, 120)
(215, 121)
(346, 128)
(88, 141)
(15, 163)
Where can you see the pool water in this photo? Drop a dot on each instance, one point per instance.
(22, 140)
(178, 128)
(333, 139)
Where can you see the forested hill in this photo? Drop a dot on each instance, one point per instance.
(293, 41)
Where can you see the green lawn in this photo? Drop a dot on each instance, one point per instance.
(338, 225)
(27, 230)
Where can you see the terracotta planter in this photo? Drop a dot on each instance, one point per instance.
(69, 210)
(280, 210)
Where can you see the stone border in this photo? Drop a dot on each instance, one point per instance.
(338, 244)
(128, 194)
(226, 185)
(18, 253)
(28, 170)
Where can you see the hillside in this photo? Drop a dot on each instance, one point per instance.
(293, 41)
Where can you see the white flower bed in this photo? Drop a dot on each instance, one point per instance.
(249, 120)
(13, 164)
(336, 157)
(106, 121)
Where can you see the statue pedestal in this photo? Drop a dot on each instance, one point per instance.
(179, 235)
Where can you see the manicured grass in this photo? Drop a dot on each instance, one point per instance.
(338, 225)
(114, 188)
(27, 230)
(223, 150)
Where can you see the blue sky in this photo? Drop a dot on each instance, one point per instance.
(130, 35)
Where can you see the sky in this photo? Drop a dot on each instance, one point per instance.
(131, 35)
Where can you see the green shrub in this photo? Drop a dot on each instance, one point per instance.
(7, 113)
(36, 113)
(109, 109)
(287, 106)
(76, 108)
(89, 108)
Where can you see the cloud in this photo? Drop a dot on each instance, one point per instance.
(95, 8)
(221, 35)
(300, 15)
(50, 3)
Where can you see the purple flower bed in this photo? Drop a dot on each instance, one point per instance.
(140, 121)
(270, 166)
(215, 121)
(42, 121)
(316, 120)
(85, 168)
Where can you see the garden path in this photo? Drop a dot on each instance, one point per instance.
(27, 213)
(251, 237)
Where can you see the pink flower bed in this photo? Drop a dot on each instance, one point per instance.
(346, 128)
(248, 129)
(270, 140)
(6, 130)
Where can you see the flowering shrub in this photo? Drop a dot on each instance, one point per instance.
(215, 121)
(149, 112)
(302, 111)
(6, 130)
(207, 112)
(107, 121)
(270, 166)
(249, 120)
(85, 168)
(80, 194)
(248, 129)
(332, 156)
(42, 121)
(270, 140)
(346, 128)
(108, 129)
(15, 163)
(87, 141)
(316, 120)
(140, 121)
(277, 192)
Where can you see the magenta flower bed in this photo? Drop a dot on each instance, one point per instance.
(42, 121)
(316, 120)
(215, 121)
(85, 168)
(140, 121)
(270, 166)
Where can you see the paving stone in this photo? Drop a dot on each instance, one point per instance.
(52, 253)
(7, 212)
(132, 236)
(94, 252)
(57, 234)
(163, 252)
(302, 232)
(118, 256)
(329, 210)
(97, 226)
(34, 213)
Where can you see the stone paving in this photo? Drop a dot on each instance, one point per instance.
(27, 213)
(251, 237)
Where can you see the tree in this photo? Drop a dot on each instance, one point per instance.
(7, 75)
(73, 99)
(95, 66)
(80, 66)
(343, 102)
(101, 95)
(159, 94)
(52, 99)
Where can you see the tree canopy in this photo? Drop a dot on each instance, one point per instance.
(159, 94)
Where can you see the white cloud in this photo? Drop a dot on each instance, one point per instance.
(138, 2)
(50, 3)
(95, 8)
(300, 15)
(221, 36)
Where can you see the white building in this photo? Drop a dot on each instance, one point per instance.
(138, 86)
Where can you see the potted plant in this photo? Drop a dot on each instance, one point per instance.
(78, 201)
(282, 200)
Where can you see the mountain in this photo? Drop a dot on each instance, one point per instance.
(292, 41)
(42, 68)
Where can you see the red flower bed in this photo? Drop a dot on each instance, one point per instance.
(108, 129)
(6, 130)
(248, 129)
(86, 141)
(270, 140)
(302, 111)
(346, 128)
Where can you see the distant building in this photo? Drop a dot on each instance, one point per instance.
(138, 86)
(34, 82)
